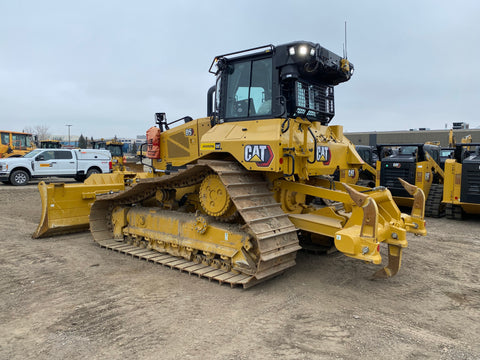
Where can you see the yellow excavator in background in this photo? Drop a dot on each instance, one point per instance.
(232, 196)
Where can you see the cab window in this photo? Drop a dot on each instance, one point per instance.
(46, 155)
(115, 150)
(249, 89)
(5, 138)
(21, 140)
(63, 155)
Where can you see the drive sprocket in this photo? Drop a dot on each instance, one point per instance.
(214, 197)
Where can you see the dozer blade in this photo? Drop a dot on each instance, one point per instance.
(66, 207)
(394, 263)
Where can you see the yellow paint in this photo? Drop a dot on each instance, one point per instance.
(207, 146)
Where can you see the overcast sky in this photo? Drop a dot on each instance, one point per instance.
(106, 67)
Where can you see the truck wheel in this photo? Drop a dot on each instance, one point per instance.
(19, 178)
(93, 171)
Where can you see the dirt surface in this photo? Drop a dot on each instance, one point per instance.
(65, 297)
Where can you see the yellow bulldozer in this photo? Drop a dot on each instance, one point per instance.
(231, 196)
(116, 149)
(50, 144)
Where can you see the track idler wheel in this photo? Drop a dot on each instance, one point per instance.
(394, 263)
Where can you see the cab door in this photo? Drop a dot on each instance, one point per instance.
(64, 163)
(44, 163)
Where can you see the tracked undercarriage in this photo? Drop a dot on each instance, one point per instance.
(258, 243)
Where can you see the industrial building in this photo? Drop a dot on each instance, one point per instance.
(460, 130)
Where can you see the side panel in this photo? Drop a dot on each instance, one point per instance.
(452, 182)
(179, 145)
(86, 158)
(255, 144)
(424, 177)
(291, 146)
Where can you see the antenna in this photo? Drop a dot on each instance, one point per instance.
(345, 45)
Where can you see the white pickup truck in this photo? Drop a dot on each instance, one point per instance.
(70, 163)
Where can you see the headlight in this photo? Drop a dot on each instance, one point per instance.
(3, 167)
(301, 50)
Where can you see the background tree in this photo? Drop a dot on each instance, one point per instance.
(40, 131)
(82, 142)
(134, 148)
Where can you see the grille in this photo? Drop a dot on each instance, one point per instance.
(389, 177)
(315, 102)
(470, 183)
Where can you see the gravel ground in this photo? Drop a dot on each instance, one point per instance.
(65, 297)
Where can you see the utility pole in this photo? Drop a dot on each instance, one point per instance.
(68, 134)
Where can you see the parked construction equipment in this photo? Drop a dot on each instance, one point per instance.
(416, 164)
(15, 144)
(368, 173)
(50, 144)
(229, 195)
(116, 149)
(461, 192)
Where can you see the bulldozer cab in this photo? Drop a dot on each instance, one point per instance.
(15, 144)
(116, 149)
(446, 153)
(291, 80)
(283, 97)
(50, 144)
(368, 154)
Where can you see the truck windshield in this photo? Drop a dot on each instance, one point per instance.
(33, 153)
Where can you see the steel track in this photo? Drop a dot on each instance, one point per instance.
(273, 234)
